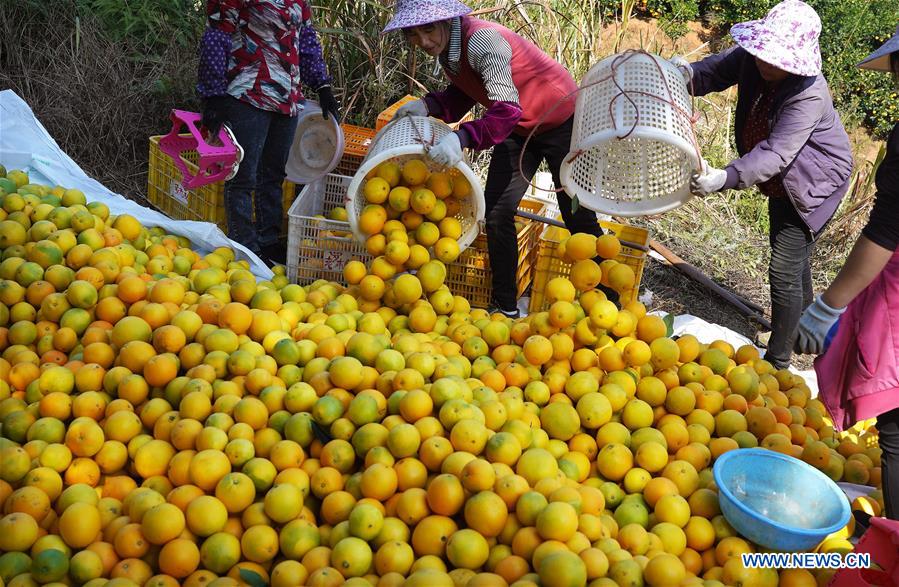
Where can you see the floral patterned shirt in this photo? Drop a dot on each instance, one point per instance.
(259, 51)
(756, 130)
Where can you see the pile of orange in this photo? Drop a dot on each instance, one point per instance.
(167, 420)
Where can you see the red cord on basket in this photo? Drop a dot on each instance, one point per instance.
(620, 59)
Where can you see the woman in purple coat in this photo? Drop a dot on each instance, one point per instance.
(791, 143)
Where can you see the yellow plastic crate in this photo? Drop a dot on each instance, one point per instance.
(470, 276)
(206, 203)
(387, 115)
(550, 265)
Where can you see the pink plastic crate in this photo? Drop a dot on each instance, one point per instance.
(881, 541)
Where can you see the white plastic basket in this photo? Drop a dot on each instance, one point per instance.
(317, 146)
(405, 138)
(632, 148)
(319, 248)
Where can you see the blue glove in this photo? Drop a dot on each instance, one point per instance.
(814, 325)
(448, 152)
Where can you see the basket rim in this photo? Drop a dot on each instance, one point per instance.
(477, 191)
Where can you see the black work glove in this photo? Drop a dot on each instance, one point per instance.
(328, 103)
(214, 114)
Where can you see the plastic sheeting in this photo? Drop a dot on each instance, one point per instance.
(25, 144)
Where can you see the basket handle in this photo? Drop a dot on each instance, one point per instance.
(622, 58)
(426, 144)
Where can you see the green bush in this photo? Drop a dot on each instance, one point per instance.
(851, 30)
(673, 14)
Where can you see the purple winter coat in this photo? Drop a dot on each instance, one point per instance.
(807, 146)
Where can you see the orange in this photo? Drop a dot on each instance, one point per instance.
(379, 482)
(557, 521)
(431, 534)
(18, 531)
(445, 495)
(259, 543)
(179, 558)
(562, 569)
(130, 542)
(486, 513)
(206, 515)
(467, 549)
(162, 523)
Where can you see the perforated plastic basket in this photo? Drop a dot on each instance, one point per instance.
(632, 148)
(403, 139)
(319, 248)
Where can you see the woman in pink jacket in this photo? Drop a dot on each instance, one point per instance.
(858, 378)
(521, 89)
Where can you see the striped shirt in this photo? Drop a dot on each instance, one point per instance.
(489, 54)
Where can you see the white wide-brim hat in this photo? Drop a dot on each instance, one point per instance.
(880, 60)
(786, 38)
(412, 13)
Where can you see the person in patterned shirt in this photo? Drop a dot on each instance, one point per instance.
(791, 143)
(254, 55)
(524, 91)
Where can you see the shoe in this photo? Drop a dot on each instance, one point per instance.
(275, 253)
(611, 294)
(495, 308)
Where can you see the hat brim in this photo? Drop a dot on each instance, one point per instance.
(880, 59)
(404, 21)
(773, 48)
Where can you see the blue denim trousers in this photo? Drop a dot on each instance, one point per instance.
(266, 138)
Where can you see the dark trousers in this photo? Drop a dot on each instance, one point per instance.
(888, 436)
(266, 138)
(504, 190)
(789, 276)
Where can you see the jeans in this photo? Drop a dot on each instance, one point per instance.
(504, 189)
(266, 138)
(888, 437)
(789, 276)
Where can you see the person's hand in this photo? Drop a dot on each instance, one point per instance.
(815, 323)
(684, 66)
(710, 180)
(328, 103)
(448, 152)
(413, 108)
(214, 114)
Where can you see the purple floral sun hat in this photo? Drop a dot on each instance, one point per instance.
(410, 13)
(786, 38)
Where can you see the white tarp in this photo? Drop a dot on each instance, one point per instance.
(25, 144)
(706, 332)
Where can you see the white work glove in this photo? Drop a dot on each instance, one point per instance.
(815, 323)
(413, 108)
(448, 152)
(684, 66)
(709, 181)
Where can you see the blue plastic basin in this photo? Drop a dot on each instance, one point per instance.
(777, 501)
